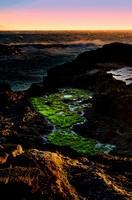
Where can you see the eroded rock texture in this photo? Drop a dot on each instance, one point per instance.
(30, 169)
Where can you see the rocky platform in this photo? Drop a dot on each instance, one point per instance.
(31, 169)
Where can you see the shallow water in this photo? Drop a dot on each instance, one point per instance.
(67, 96)
(124, 74)
(67, 118)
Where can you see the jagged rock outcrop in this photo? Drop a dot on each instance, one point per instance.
(47, 175)
(89, 71)
(19, 121)
(110, 56)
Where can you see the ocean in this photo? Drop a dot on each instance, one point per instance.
(20, 71)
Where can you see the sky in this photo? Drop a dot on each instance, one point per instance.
(65, 15)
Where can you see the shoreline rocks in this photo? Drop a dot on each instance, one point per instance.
(31, 169)
(50, 175)
(89, 71)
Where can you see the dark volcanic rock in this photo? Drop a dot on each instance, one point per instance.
(38, 89)
(107, 130)
(114, 52)
(87, 61)
(116, 103)
(89, 71)
(19, 122)
(14, 102)
(84, 70)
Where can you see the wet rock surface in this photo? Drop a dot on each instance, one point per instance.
(89, 71)
(32, 169)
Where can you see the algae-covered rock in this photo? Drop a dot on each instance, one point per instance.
(61, 107)
(86, 146)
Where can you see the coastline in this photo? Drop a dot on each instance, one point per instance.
(109, 120)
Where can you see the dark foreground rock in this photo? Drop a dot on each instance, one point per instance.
(37, 174)
(19, 122)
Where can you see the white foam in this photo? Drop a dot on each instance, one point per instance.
(67, 96)
(123, 74)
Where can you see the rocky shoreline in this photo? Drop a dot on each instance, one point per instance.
(32, 169)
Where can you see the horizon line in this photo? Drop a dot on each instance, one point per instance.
(71, 30)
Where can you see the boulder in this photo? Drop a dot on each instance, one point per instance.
(109, 53)
(38, 89)
(36, 175)
(15, 102)
(87, 67)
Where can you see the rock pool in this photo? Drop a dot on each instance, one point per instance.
(64, 109)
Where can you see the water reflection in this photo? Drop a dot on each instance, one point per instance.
(124, 74)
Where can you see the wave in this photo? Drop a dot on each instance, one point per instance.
(81, 44)
(39, 45)
(94, 43)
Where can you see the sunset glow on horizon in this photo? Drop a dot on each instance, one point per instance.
(67, 15)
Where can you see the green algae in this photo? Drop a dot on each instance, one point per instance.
(79, 144)
(64, 109)
(51, 105)
(76, 93)
(65, 119)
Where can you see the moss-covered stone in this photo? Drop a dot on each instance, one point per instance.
(64, 109)
(65, 119)
(80, 144)
(51, 106)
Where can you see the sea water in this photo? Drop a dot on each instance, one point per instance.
(20, 71)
